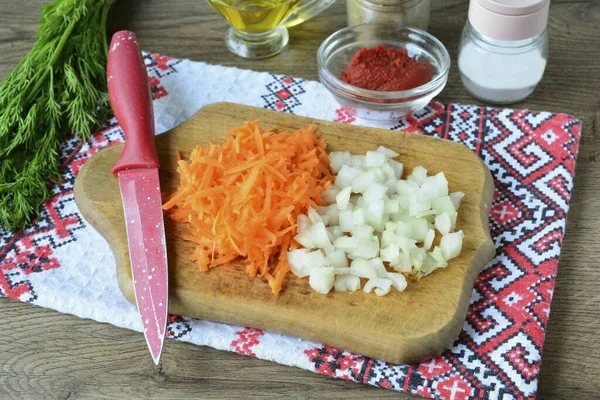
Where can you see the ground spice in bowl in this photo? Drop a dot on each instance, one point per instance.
(386, 69)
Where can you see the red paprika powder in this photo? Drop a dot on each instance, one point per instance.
(386, 69)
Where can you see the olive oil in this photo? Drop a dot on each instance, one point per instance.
(254, 16)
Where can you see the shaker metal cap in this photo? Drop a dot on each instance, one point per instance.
(509, 19)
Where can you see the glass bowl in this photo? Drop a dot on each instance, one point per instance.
(337, 50)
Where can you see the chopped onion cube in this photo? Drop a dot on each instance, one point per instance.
(367, 248)
(437, 184)
(375, 192)
(453, 216)
(406, 244)
(378, 266)
(443, 223)
(390, 184)
(346, 243)
(406, 188)
(389, 153)
(379, 175)
(398, 281)
(417, 257)
(363, 269)
(427, 191)
(322, 279)
(358, 217)
(332, 215)
(429, 239)
(418, 205)
(337, 159)
(391, 206)
(303, 223)
(335, 231)
(390, 253)
(404, 229)
(402, 263)
(346, 219)
(362, 232)
(418, 175)
(388, 237)
(330, 193)
(397, 167)
(374, 214)
(346, 176)
(429, 265)
(438, 256)
(451, 244)
(358, 161)
(418, 229)
(343, 198)
(456, 198)
(375, 159)
(305, 240)
(363, 181)
(319, 236)
(337, 258)
(346, 283)
(442, 204)
(389, 174)
(299, 262)
(317, 259)
(381, 285)
(314, 216)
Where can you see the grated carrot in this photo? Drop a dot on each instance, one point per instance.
(242, 198)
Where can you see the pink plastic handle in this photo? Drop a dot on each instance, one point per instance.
(130, 98)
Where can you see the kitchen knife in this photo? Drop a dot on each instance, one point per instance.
(137, 171)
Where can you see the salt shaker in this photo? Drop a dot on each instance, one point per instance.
(503, 49)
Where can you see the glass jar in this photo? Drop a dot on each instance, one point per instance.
(501, 71)
(503, 49)
(410, 13)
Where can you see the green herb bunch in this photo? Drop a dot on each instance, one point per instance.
(59, 88)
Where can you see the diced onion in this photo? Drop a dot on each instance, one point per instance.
(451, 244)
(389, 153)
(347, 283)
(381, 285)
(363, 269)
(456, 198)
(375, 159)
(322, 279)
(343, 198)
(345, 176)
(398, 281)
(372, 217)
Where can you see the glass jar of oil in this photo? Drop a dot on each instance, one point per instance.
(258, 27)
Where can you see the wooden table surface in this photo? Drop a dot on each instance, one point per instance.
(47, 355)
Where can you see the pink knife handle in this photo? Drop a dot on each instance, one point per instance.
(130, 98)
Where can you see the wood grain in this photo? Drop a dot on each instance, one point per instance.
(46, 355)
(399, 328)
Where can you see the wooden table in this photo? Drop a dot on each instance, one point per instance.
(47, 355)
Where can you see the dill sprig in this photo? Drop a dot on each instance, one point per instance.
(58, 88)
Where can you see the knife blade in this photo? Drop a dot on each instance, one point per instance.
(137, 171)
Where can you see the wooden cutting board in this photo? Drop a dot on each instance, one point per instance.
(400, 327)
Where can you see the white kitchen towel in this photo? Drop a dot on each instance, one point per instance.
(60, 262)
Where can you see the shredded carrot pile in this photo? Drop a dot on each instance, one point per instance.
(242, 198)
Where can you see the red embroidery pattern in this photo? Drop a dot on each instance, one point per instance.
(247, 339)
(345, 115)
